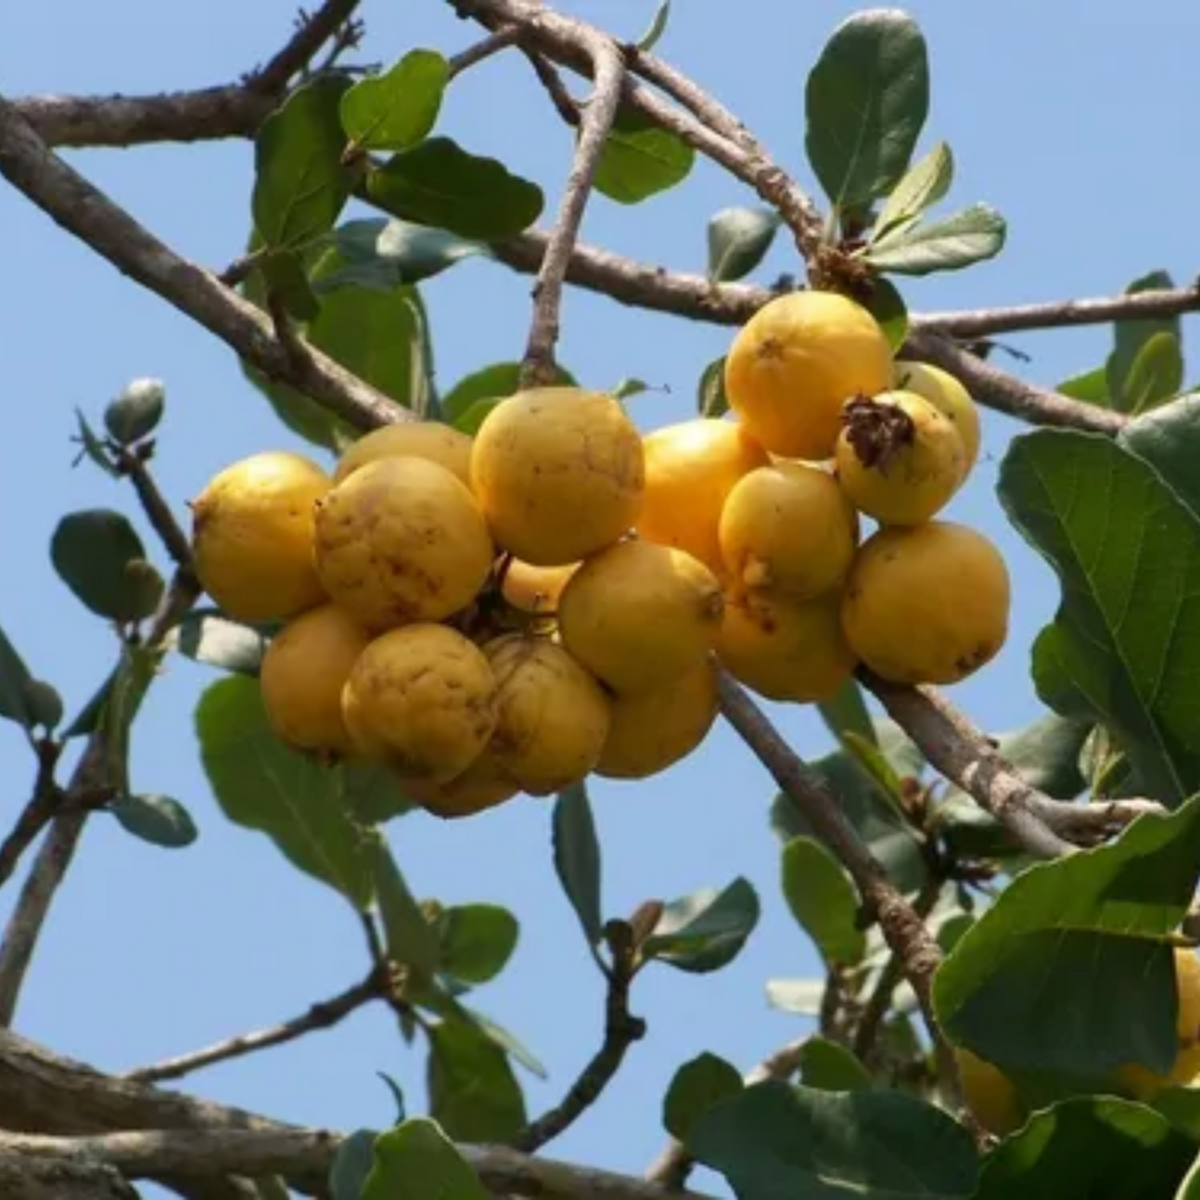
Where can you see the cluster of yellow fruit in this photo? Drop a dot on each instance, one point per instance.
(511, 612)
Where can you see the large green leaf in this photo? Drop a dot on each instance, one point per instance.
(832, 1067)
(262, 784)
(1127, 555)
(99, 556)
(776, 1141)
(473, 1093)
(1032, 985)
(922, 186)
(847, 713)
(1169, 440)
(476, 941)
(416, 1161)
(438, 183)
(1130, 337)
(866, 101)
(411, 939)
(577, 858)
(706, 930)
(957, 241)
(640, 159)
(699, 1084)
(822, 898)
(738, 240)
(396, 109)
(384, 252)
(1156, 374)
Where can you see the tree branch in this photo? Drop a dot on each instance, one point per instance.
(132, 463)
(312, 32)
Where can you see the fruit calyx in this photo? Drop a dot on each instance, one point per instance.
(877, 432)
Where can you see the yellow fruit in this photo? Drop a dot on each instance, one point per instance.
(421, 698)
(252, 536)
(1145, 1084)
(421, 439)
(401, 540)
(552, 716)
(784, 648)
(927, 603)
(690, 469)
(478, 788)
(943, 390)
(788, 527)
(899, 458)
(794, 364)
(989, 1094)
(651, 731)
(639, 614)
(535, 589)
(558, 472)
(302, 676)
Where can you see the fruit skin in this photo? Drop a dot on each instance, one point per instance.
(1144, 1084)
(788, 527)
(783, 648)
(989, 1094)
(940, 388)
(558, 472)
(691, 467)
(475, 790)
(651, 731)
(899, 458)
(421, 698)
(421, 439)
(552, 716)
(401, 540)
(535, 590)
(302, 676)
(252, 530)
(794, 364)
(638, 615)
(927, 603)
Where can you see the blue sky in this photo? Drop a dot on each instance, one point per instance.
(1073, 129)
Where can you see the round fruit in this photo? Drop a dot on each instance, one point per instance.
(639, 614)
(478, 788)
(899, 458)
(784, 648)
(1144, 1084)
(651, 731)
(551, 715)
(422, 699)
(302, 676)
(989, 1094)
(941, 389)
(535, 589)
(794, 364)
(691, 467)
(401, 540)
(252, 536)
(558, 472)
(421, 439)
(927, 603)
(788, 527)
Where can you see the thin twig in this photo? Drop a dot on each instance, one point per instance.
(552, 81)
(312, 32)
(132, 463)
(483, 49)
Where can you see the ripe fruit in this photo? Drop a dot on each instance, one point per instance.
(535, 589)
(943, 390)
(1143, 1083)
(302, 676)
(651, 731)
(558, 472)
(401, 540)
(478, 788)
(788, 527)
(638, 615)
(927, 603)
(422, 439)
(690, 469)
(551, 715)
(423, 699)
(784, 648)
(899, 458)
(252, 536)
(794, 364)
(989, 1094)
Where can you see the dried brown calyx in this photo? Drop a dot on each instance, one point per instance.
(877, 432)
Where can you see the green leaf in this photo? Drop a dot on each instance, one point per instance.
(495, 382)
(866, 101)
(1168, 439)
(15, 681)
(1131, 335)
(830, 1067)
(1091, 1148)
(699, 1084)
(206, 636)
(119, 704)
(776, 1140)
(44, 704)
(384, 253)
(958, 241)
(711, 400)
(473, 1093)
(706, 930)
(262, 784)
(627, 388)
(92, 552)
(506, 1040)
(923, 185)
(352, 1165)
(93, 447)
(847, 713)
(477, 940)
(398, 108)
(1081, 929)
(639, 159)
(1155, 375)
(577, 858)
(159, 820)
(738, 240)
(410, 938)
(822, 898)
(416, 1161)
(1090, 386)
(1127, 556)
(396, 1093)
(286, 284)
(300, 181)
(372, 793)
(438, 183)
(136, 412)
(887, 306)
(657, 28)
